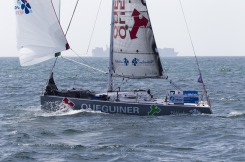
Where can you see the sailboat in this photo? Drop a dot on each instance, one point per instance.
(133, 55)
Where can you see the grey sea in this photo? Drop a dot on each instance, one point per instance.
(29, 134)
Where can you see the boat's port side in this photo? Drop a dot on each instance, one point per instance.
(54, 103)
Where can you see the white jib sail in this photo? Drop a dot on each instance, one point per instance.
(135, 52)
(39, 34)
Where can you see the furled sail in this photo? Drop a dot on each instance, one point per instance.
(39, 34)
(134, 49)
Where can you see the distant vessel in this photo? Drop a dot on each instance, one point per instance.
(100, 52)
(164, 52)
(167, 52)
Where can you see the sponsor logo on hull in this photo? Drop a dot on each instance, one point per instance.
(154, 110)
(112, 109)
(68, 103)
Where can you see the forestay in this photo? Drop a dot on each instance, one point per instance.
(39, 34)
(135, 52)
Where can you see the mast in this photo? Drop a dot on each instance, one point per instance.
(110, 81)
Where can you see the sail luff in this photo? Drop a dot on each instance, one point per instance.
(39, 33)
(110, 81)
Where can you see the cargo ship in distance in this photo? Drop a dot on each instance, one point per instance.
(164, 52)
(167, 52)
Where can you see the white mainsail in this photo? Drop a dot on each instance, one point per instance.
(39, 34)
(134, 49)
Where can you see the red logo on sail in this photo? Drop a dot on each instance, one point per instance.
(68, 102)
(138, 22)
(119, 19)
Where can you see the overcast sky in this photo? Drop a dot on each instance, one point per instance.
(217, 26)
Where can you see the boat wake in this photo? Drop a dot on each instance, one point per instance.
(61, 112)
(236, 114)
(68, 112)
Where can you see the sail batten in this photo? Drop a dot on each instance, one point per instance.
(39, 34)
(135, 53)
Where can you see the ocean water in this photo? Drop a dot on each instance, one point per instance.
(28, 134)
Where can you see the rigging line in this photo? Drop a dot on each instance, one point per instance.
(123, 82)
(188, 30)
(79, 56)
(84, 65)
(56, 57)
(175, 86)
(74, 82)
(94, 27)
(69, 28)
(51, 71)
(199, 70)
(90, 36)
(54, 64)
(82, 60)
(71, 18)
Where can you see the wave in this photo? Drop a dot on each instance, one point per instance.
(225, 69)
(68, 112)
(59, 145)
(236, 114)
(61, 112)
(229, 99)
